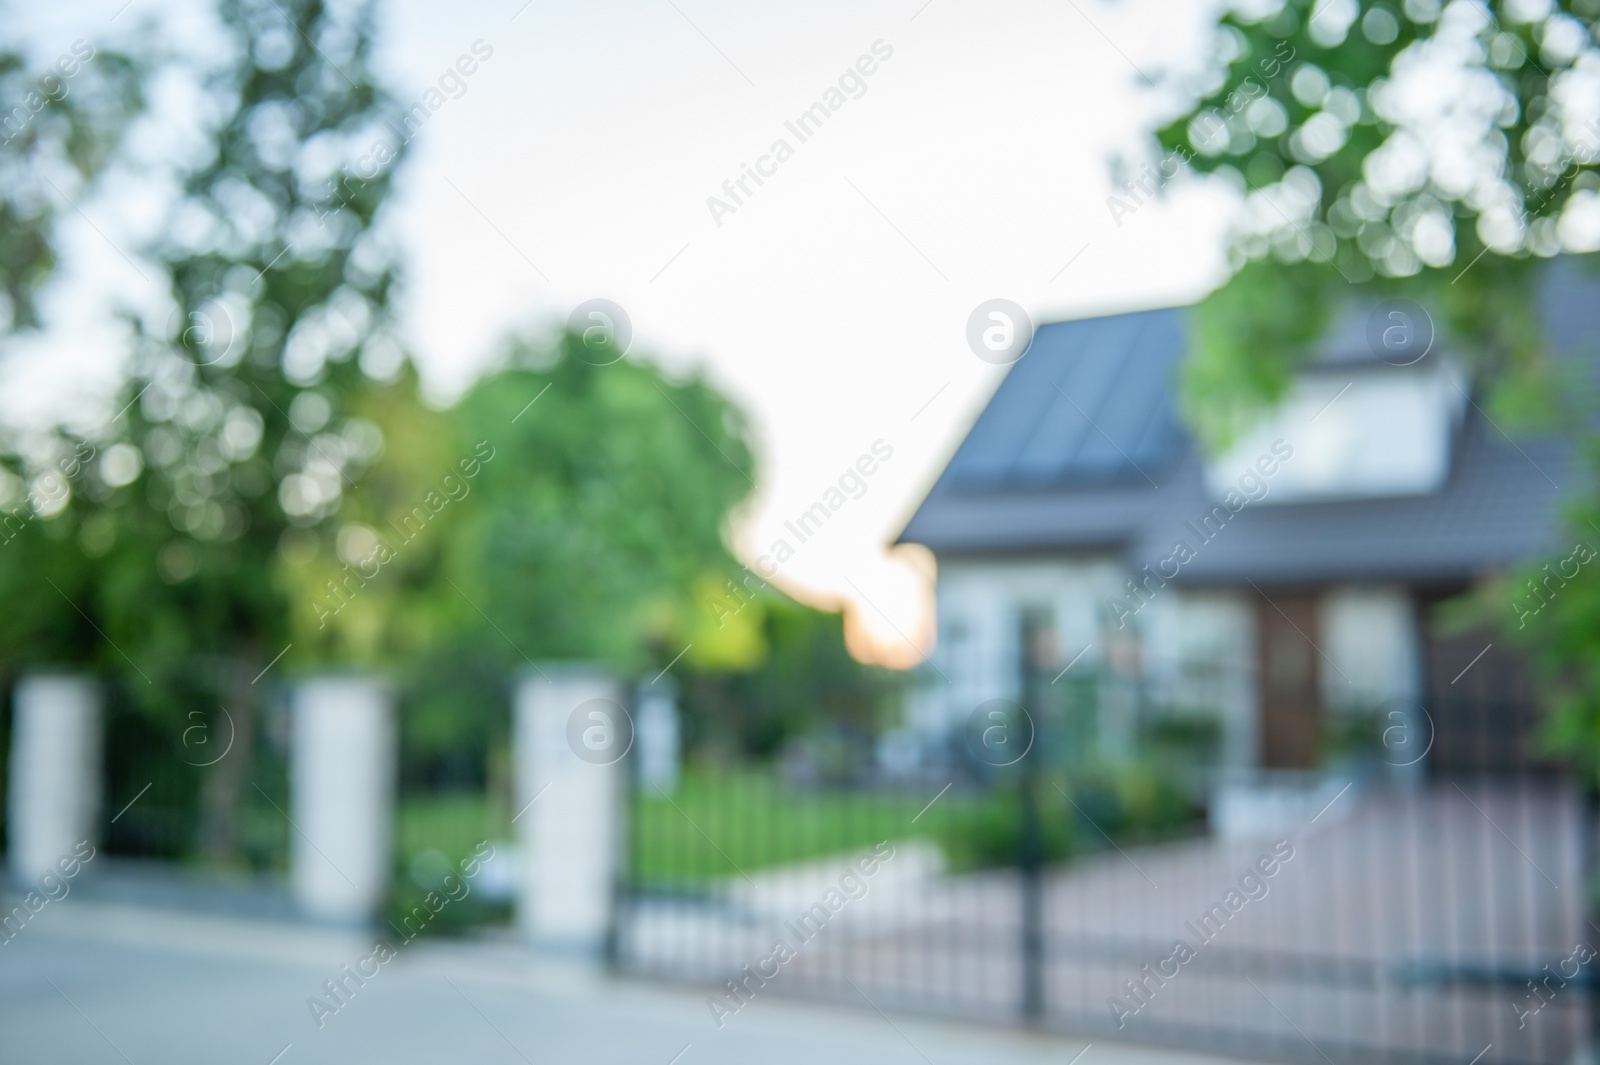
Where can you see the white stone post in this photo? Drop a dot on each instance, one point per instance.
(341, 784)
(571, 732)
(53, 799)
(659, 747)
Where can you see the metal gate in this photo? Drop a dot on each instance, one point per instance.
(183, 777)
(1398, 904)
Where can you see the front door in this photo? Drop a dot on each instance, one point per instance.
(1286, 649)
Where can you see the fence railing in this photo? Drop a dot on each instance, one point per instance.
(1420, 898)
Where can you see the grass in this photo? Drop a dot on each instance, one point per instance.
(720, 825)
(714, 825)
(717, 825)
(453, 823)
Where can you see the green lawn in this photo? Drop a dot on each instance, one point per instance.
(712, 826)
(718, 825)
(453, 823)
(721, 824)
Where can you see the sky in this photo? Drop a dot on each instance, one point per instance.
(832, 300)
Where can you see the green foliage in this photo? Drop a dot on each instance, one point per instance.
(1087, 809)
(560, 510)
(1557, 606)
(719, 824)
(604, 503)
(1307, 118)
(434, 835)
(1184, 738)
(236, 429)
(1353, 733)
(272, 435)
(57, 135)
(987, 833)
(453, 718)
(805, 686)
(65, 120)
(243, 419)
(1248, 338)
(347, 600)
(166, 540)
(273, 479)
(1300, 104)
(1131, 802)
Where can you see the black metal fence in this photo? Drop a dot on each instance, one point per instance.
(184, 778)
(1402, 903)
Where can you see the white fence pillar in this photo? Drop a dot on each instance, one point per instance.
(341, 784)
(659, 750)
(571, 731)
(53, 799)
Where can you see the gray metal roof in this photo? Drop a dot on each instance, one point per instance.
(1081, 448)
(1495, 508)
(1090, 404)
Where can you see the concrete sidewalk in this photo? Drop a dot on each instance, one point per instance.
(92, 982)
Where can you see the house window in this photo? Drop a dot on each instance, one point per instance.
(1365, 433)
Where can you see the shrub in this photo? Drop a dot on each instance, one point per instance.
(1127, 802)
(987, 834)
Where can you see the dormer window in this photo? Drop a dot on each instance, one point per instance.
(1357, 432)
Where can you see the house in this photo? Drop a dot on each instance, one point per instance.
(1274, 587)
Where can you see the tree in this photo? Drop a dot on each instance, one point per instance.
(61, 121)
(281, 279)
(565, 507)
(571, 505)
(568, 506)
(1436, 152)
(1358, 181)
(604, 505)
(238, 428)
(65, 123)
(802, 685)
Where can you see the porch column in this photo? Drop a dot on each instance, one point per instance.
(571, 732)
(341, 783)
(53, 798)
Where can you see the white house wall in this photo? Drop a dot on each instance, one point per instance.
(1200, 656)
(979, 603)
(1373, 648)
(1195, 648)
